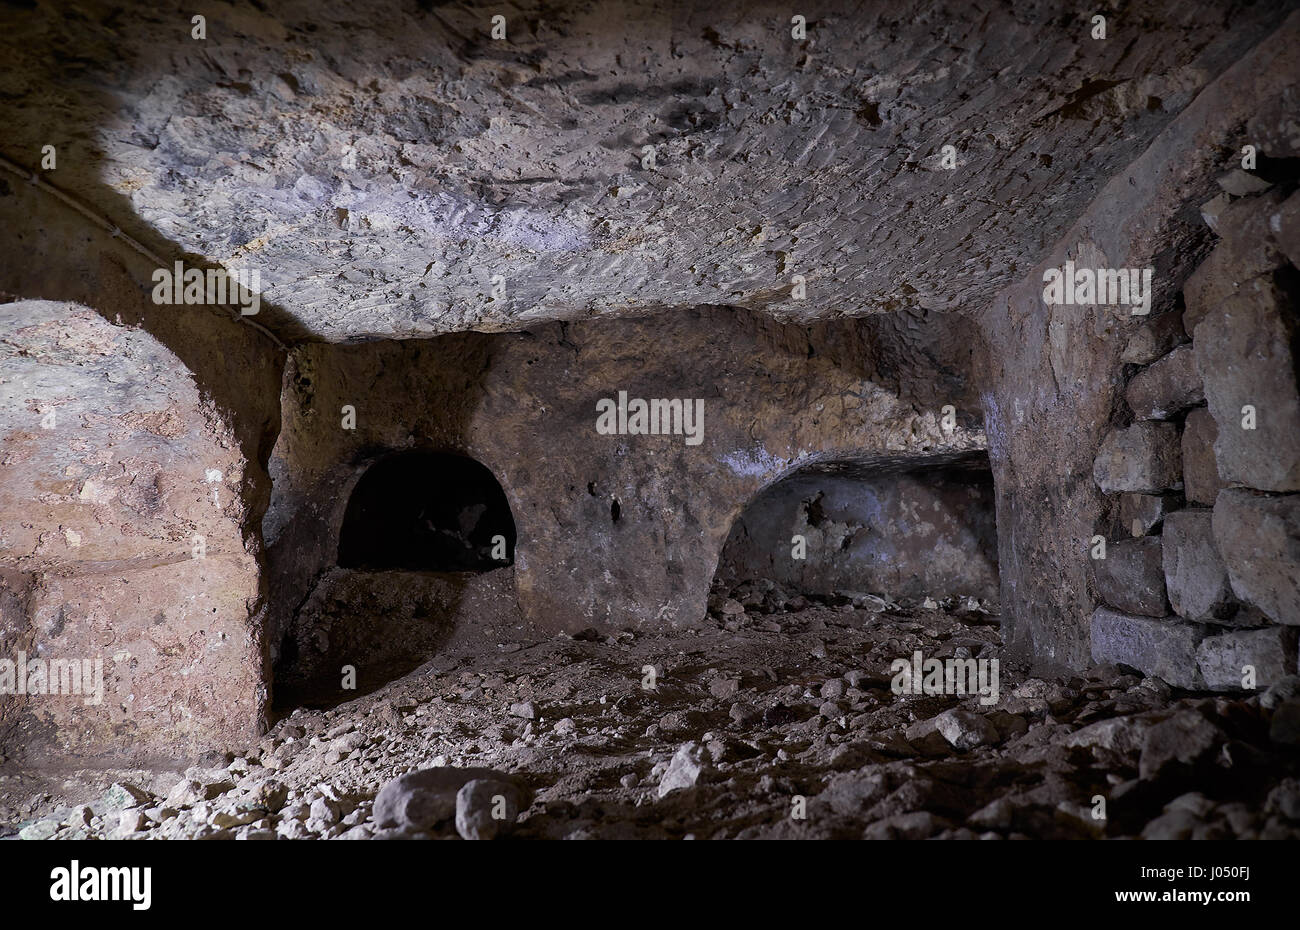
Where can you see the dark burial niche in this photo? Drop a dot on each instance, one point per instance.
(427, 511)
(902, 532)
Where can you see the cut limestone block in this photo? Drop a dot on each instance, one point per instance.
(1169, 385)
(1244, 353)
(1227, 661)
(1212, 210)
(1132, 578)
(1154, 339)
(1258, 536)
(1196, 578)
(1271, 127)
(1140, 514)
(1241, 183)
(1246, 251)
(1163, 648)
(1143, 458)
(1201, 481)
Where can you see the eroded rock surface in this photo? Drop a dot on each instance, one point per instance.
(379, 173)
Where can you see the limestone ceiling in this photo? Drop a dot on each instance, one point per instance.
(380, 164)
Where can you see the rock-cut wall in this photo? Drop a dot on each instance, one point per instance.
(132, 631)
(128, 430)
(614, 530)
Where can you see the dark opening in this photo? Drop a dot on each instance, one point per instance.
(900, 532)
(427, 511)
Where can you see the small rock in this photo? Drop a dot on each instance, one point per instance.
(965, 730)
(40, 830)
(486, 808)
(833, 689)
(322, 809)
(225, 819)
(1192, 801)
(723, 688)
(423, 799)
(79, 816)
(1173, 825)
(924, 737)
(684, 770)
(348, 742)
(1184, 741)
(122, 795)
(916, 825)
(188, 791)
(269, 795)
(1284, 799)
(1118, 734)
(131, 820)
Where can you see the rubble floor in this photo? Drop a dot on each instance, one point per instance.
(799, 732)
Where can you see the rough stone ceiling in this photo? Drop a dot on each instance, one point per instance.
(380, 163)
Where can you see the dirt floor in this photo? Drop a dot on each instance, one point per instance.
(774, 719)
